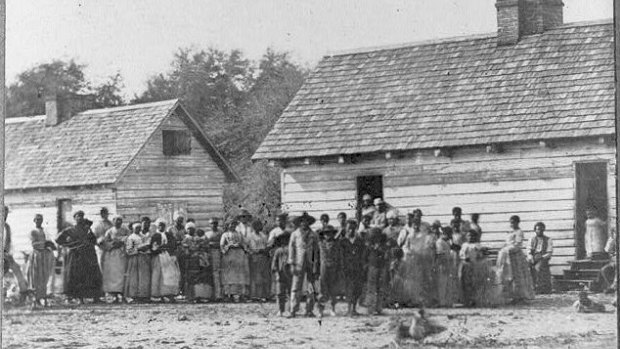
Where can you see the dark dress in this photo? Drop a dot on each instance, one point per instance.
(82, 278)
(354, 257)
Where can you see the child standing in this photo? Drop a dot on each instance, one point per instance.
(446, 272)
(377, 280)
(280, 269)
(353, 251)
(331, 268)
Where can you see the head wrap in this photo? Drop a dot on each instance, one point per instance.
(391, 214)
(366, 197)
(136, 225)
(190, 225)
(378, 201)
(178, 214)
(117, 217)
(159, 221)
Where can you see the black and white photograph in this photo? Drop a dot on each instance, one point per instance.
(309, 174)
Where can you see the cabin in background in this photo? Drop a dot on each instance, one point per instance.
(519, 122)
(149, 159)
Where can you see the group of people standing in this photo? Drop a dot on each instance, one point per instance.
(376, 262)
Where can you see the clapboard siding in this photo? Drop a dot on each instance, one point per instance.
(532, 181)
(191, 182)
(24, 205)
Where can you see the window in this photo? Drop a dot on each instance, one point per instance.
(177, 142)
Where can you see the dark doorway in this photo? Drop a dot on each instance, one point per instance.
(371, 185)
(591, 192)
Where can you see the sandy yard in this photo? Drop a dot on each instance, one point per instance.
(547, 322)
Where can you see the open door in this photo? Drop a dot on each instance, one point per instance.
(371, 185)
(591, 192)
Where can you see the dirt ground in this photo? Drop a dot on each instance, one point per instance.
(547, 322)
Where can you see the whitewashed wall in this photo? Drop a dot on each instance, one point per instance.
(24, 205)
(537, 183)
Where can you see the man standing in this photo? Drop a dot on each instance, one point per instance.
(214, 235)
(100, 229)
(9, 261)
(305, 263)
(379, 218)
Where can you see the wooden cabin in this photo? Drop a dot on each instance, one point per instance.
(518, 122)
(149, 159)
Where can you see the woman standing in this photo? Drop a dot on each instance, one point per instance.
(41, 261)
(446, 270)
(214, 235)
(512, 266)
(260, 276)
(165, 274)
(82, 278)
(114, 258)
(417, 267)
(235, 267)
(138, 279)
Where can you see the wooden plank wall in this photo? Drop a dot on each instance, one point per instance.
(24, 205)
(155, 185)
(537, 183)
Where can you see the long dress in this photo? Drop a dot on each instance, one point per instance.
(513, 269)
(260, 276)
(41, 263)
(114, 259)
(416, 270)
(235, 266)
(199, 274)
(165, 274)
(99, 229)
(215, 257)
(82, 277)
(138, 274)
(446, 274)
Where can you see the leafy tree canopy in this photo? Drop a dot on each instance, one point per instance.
(26, 96)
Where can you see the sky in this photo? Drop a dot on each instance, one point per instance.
(138, 38)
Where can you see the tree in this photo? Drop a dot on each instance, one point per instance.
(237, 102)
(26, 96)
(276, 84)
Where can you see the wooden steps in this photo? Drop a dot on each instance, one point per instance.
(581, 273)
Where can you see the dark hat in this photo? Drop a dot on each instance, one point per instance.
(283, 216)
(80, 212)
(304, 217)
(104, 210)
(244, 213)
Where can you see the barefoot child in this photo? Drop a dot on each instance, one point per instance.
(377, 279)
(331, 268)
(353, 266)
(280, 269)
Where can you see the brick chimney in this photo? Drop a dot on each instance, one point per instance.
(53, 110)
(61, 107)
(519, 18)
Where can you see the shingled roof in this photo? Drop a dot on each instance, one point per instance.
(458, 92)
(93, 147)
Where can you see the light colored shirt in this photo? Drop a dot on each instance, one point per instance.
(536, 246)
(101, 228)
(275, 232)
(610, 246)
(515, 238)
